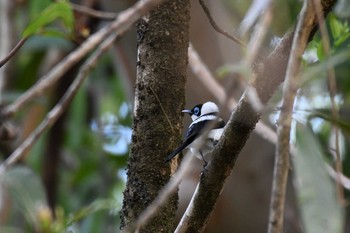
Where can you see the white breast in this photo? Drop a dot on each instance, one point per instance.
(212, 138)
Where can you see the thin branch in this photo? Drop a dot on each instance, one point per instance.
(344, 180)
(252, 53)
(59, 108)
(290, 87)
(93, 12)
(332, 88)
(217, 28)
(13, 51)
(259, 34)
(203, 75)
(123, 22)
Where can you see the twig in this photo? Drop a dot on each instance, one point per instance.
(253, 49)
(217, 28)
(59, 108)
(303, 30)
(259, 34)
(344, 180)
(203, 75)
(5, 30)
(252, 53)
(13, 51)
(332, 88)
(93, 12)
(123, 22)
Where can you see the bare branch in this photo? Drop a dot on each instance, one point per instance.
(57, 111)
(123, 22)
(203, 75)
(93, 12)
(305, 24)
(253, 49)
(344, 180)
(259, 34)
(13, 51)
(217, 28)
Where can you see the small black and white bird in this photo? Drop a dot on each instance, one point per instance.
(202, 115)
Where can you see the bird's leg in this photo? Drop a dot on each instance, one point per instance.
(205, 162)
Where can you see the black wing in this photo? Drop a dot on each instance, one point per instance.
(192, 133)
(179, 149)
(197, 128)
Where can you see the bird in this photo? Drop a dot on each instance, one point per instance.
(202, 115)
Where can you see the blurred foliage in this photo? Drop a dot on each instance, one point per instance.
(96, 136)
(318, 200)
(316, 191)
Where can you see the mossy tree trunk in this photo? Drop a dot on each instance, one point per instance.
(163, 38)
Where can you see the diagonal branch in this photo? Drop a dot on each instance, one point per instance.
(93, 13)
(305, 23)
(236, 133)
(123, 22)
(13, 51)
(60, 107)
(217, 28)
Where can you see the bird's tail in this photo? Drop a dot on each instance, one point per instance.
(174, 153)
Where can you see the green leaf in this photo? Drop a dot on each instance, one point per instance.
(57, 10)
(315, 190)
(335, 26)
(326, 115)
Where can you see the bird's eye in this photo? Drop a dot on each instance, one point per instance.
(196, 111)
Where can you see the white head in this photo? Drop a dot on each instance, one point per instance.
(202, 109)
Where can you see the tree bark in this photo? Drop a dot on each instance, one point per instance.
(163, 38)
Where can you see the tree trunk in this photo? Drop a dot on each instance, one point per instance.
(163, 38)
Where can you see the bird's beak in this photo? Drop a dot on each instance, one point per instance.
(187, 111)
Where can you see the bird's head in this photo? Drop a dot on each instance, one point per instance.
(202, 109)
